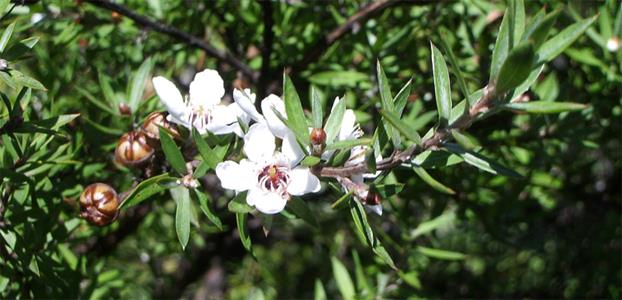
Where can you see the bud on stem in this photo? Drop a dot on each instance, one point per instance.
(318, 140)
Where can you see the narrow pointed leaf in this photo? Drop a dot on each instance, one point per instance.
(333, 123)
(544, 107)
(172, 153)
(557, 44)
(182, 216)
(539, 30)
(441, 254)
(402, 127)
(295, 114)
(502, 46)
(204, 205)
(442, 86)
(481, 162)
(138, 84)
(427, 178)
(206, 152)
(243, 230)
(343, 279)
(316, 107)
(401, 99)
(6, 36)
(147, 188)
(302, 210)
(386, 101)
(516, 68)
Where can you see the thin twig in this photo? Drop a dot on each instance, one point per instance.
(178, 35)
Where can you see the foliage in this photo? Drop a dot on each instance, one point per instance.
(508, 114)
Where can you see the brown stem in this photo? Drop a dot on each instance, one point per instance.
(178, 35)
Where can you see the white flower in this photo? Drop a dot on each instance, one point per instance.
(269, 176)
(202, 109)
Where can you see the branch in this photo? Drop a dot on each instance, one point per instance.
(179, 35)
(435, 141)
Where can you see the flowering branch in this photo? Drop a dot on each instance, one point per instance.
(178, 35)
(483, 104)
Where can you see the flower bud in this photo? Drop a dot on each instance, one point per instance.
(151, 127)
(124, 109)
(613, 44)
(99, 204)
(133, 149)
(372, 198)
(318, 140)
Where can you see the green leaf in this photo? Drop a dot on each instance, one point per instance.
(402, 127)
(401, 99)
(182, 215)
(295, 115)
(427, 178)
(240, 219)
(338, 78)
(362, 282)
(341, 200)
(146, 189)
(540, 28)
(172, 153)
(544, 107)
(238, 204)
(3, 6)
(310, 161)
(502, 46)
(100, 104)
(557, 44)
(343, 279)
(442, 86)
(481, 162)
(137, 85)
(206, 152)
(204, 205)
(302, 210)
(6, 36)
(455, 67)
(441, 254)
(387, 102)
(360, 222)
(333, 123)
(516, 68)
(319, 292)
(465, 140)
(347, 144)
(432, 159)
(446, 219)
(26, 81)
(316, 107)
(518, 20)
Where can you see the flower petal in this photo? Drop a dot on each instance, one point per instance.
(266, 202)
(375, 208)
(234, 176)
(246, 100)
(207, 88)
(302, 181)
(291, 149)
(259, 143)
(170, 97)
(348, 129)
(277, 127)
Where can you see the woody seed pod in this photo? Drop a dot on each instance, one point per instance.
(151, 128)
(133, 149)
(99, 204)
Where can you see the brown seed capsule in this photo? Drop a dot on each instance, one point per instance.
(151, 128)
(133, 149)
(99, 204)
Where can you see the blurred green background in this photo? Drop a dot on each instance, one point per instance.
(556, 233)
